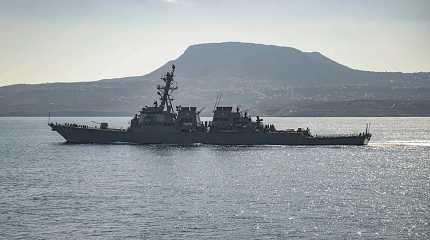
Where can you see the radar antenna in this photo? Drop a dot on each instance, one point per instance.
(165, 91)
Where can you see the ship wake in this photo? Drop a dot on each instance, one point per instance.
(421, 143)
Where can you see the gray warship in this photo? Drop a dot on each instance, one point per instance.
(161, 123)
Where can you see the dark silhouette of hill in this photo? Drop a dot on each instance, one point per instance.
(265, 79)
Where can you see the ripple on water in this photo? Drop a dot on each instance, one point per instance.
(51, 190)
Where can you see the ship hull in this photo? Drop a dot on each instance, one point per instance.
(173, 136)
(283, 139)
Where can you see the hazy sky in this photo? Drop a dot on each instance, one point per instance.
(83, 40)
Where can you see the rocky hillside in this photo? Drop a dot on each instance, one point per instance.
(270, 80)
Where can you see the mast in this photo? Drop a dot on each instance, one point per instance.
(166, 90)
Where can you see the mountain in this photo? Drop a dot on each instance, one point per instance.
(264, 79)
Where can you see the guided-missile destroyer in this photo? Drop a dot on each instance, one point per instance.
(161, 123)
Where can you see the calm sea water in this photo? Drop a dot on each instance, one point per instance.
(52, 190)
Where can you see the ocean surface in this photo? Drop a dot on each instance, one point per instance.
(53, 190)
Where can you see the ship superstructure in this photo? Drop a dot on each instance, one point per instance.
(162, 123)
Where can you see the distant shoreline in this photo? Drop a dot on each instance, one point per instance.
(121, 116)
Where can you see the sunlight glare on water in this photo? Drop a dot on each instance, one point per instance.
(52, 190)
